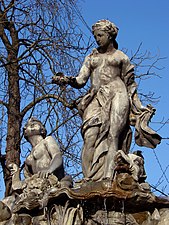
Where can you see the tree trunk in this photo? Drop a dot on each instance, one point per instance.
(14, 123)
(14, 118)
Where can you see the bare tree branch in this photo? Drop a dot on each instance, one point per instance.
(39, 99)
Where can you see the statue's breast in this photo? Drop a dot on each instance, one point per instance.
(106, 60)
(96, 61)
(39, 151)
(113, 60)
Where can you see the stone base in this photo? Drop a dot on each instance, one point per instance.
(120, 202)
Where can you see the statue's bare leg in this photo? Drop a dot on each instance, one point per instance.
(118, 119)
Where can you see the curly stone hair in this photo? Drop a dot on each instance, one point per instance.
(109, 27)
(43, 130)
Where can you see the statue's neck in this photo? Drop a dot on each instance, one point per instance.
(35, 140)
(106, 49)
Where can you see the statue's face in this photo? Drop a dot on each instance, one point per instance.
(31, 129)
(102, 38)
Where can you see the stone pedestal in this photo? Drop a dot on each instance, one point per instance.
(120, 202)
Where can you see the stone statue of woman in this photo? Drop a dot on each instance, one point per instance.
(110, 106)
(45, 157)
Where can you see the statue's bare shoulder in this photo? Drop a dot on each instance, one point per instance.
(121, 55)
(50, 139)
(52, 145)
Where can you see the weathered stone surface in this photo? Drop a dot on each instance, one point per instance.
(111, 218)
(5, 212)
(118, 202)
(164, 216)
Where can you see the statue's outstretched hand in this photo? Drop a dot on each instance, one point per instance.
(60, 79)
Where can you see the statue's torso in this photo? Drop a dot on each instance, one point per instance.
(39, 157)
(106, 69)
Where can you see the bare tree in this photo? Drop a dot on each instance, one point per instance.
(37, 38)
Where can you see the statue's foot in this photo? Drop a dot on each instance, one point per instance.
(109, 175)
(107, 182)
(80, 183)
(66, 182)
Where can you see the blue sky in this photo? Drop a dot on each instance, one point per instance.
(143, 22)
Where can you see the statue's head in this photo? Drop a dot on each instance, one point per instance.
(34, 127)
(106, 26)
